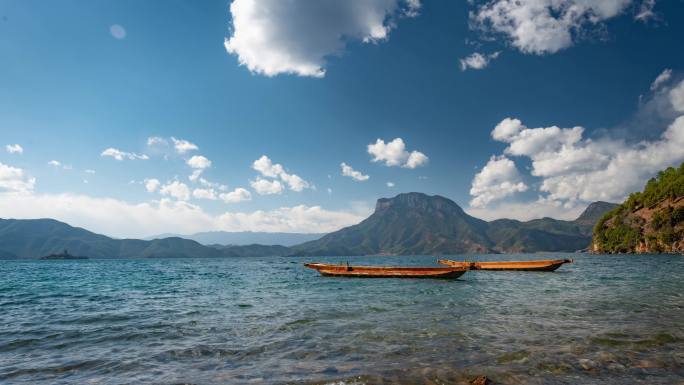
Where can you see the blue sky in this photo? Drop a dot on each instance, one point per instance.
(312, 85)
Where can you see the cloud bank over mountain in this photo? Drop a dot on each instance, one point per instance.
(571, 169)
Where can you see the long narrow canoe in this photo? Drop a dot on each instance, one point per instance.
(541, 265)
(386, 271)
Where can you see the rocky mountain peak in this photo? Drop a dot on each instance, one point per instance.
(418, 201)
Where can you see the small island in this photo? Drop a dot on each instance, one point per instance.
(64, 255)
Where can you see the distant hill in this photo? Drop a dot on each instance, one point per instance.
(415, 223)
(253, 250)
(244, 238)
(34, 238)
(546, 234)
(651, 221)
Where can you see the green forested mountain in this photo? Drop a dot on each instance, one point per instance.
(416, 223)
(34, 238)
(651, 221)
(411, 223)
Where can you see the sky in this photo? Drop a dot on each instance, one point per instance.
(133, 118)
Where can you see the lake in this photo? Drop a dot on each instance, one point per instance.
(600, 320)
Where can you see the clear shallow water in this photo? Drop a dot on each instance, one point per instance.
(601, 320)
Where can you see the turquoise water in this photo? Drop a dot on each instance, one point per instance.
(601, 320)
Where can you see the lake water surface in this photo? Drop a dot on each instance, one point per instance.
(601, 320)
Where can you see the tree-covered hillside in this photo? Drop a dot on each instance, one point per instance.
(650, 221)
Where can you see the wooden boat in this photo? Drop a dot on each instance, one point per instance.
(386, 271)
(541, 265)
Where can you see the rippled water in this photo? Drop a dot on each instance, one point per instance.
(601, 320)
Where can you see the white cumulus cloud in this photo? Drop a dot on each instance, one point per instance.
(575, 169)
(663, 78)
(272, 37)
(677, 97)
(268, 169)
(238, 195)
(58, 164)
(416, 159)
(121, 155)
(394, 153)
(199, 162)
(213, 185)
(350, 172)
(152, 184)
(543, 26)
(498, 179)
(14, 149)
(507, 129)
(156, 141)
(14, 179)
(176, 189)
(477, 61)
(266, 187)
(294, 182)
(204, 193)
(182, 146)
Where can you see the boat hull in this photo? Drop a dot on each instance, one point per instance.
(543, 265)
(386, 272)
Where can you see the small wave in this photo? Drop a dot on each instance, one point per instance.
(53, 370)
(197, 352)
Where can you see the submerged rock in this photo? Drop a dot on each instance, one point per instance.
(519, 356)
(606, 357)
(587, 364)
(648, 364)
(659, 339)
(554, 367)
(481, 380)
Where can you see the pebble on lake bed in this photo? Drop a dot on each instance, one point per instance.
(481, 380)
(587, 364)
(647, 364)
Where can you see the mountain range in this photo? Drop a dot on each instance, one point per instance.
(410, 223)
(34, 238)
(415, 223)
(242, 238)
